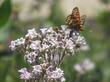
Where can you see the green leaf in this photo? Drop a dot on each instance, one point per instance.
(5, 12)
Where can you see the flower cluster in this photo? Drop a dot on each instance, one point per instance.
(45, 51)
(50, 74)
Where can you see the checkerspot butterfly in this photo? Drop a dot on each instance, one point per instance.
(74, 21)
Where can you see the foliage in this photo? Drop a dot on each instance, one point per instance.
(5, 12)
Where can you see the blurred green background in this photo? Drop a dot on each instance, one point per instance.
(17, 16)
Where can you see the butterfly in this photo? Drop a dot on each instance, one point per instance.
(74, 21)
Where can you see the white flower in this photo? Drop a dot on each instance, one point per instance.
(64, 27)
(31, 33)
(88, 65)
(37, 70)
(44, 47)
(50, 30)
(35, 45)
(82, 43)
(79, 69)
(44, 30)
(84, 66)
(80, 40)
(13, 45)
(16, 43)
(31, 57)
(56, 74)
(63, 79)
(24, 74)
(20, 41)
(69, 45)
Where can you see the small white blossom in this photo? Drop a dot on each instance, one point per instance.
(82, 43)
(50, 30)
(70, 45)
(44, 30)
(79, 69)
(24, 74)
(20, 41)
(56, 74)
(37, 70)
(88, 64)
(31, 33)
(84, 67)
(63, 79)
(13, 45)
(64, 27)
(44, 47)
(31, 57)
(35, 45)
(16, 43)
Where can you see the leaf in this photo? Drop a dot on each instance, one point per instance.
(5, 12)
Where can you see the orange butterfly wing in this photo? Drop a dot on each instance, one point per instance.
(74, 21)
